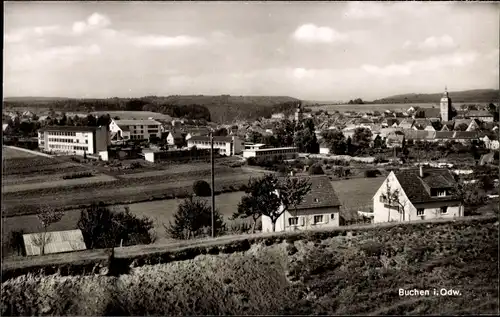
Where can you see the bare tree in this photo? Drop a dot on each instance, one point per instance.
(392, 198)
(47, 216)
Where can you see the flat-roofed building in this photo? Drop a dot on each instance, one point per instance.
(227, 145)
(287, 152)
(73, 140)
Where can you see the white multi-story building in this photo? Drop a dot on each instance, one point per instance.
(134, 129)
(73, 140)
(227, 145)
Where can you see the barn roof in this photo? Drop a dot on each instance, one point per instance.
(57, 242)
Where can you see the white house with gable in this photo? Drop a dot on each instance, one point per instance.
(417, 194)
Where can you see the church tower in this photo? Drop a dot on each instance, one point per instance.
(445, 106)
(298, 114)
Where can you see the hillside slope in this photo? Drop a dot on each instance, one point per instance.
(224, 108)
(478, 95)
(356, 272)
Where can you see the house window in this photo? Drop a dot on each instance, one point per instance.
(318, 219)
(420, 211)
(444, 210)
(332, 216)
(441, 193)
(294, 221)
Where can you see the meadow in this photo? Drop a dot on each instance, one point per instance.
(139, 115)
(380, 107)
(343, 272)
(354, 194)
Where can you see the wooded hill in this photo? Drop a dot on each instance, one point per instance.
(224, 108)
(477, 95)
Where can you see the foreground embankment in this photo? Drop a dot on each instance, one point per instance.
(351, 270)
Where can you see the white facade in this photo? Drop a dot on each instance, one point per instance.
(74, 140)
(490, 144)
(136, 129)
(283, 151)
(409, 211)
(226, 145)
(324, 149)
(312, 219)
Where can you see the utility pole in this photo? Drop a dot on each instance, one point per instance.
(213, 181)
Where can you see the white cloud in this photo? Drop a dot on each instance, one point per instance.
(417, 66)
(94, 21)
(59, 56)
(432, 43)
(23, 34)
(364, 10)
(166, 41)
(320, 34)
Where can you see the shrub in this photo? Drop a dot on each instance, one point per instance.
(202, 188)
(135, 165)
(78, 175)
(103, 228)
(316, 169)
(372, 173)
(192, 219)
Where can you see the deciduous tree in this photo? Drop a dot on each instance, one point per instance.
(47, 216)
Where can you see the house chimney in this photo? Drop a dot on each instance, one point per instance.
(421, 171)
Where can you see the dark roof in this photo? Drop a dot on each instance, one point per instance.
(69, 128)
(419, 134)
(207, 138)
(479, 113)
(432, 112)
(444, 134)
(417, 188)
(176, 134)
(322, 194)
(465, 135)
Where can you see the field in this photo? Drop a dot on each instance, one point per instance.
(134, 115)
(379, 107)
(10, 153)
(354, 194)
(349, 273)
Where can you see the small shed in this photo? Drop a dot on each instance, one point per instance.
(56, 242)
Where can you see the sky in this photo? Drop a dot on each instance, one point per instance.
(308, 50)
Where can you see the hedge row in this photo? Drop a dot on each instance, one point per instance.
(123, 259)
(172, 193)
(78, 175)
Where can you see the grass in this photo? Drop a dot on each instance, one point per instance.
(62, 183)
(128, 115)
(357, 193)
(10, 153)
(359, 273)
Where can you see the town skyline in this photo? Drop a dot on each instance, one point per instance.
(138, 49)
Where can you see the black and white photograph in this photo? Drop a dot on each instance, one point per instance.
(202, 158)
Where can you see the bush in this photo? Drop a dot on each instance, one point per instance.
(372, 173)
(135, 165)
(316, 169)
(193, 219)
(78, 175)
(103, 228)
(202, 188)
